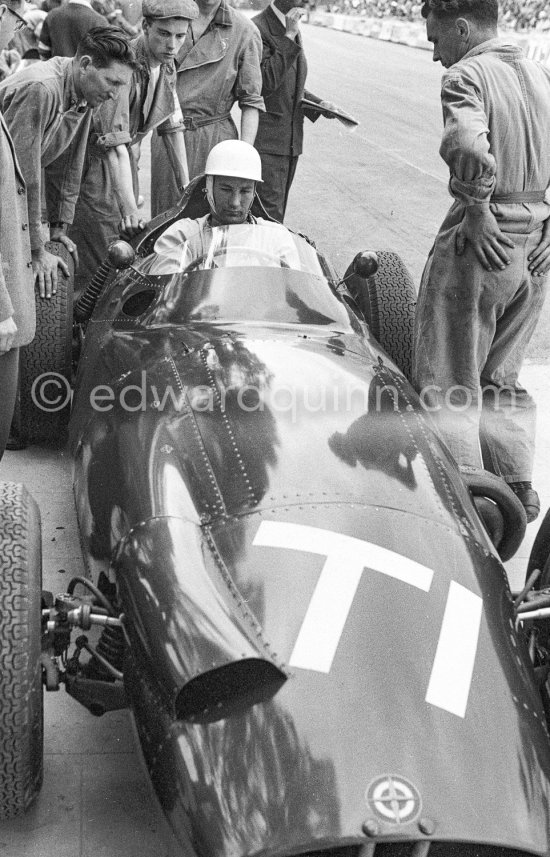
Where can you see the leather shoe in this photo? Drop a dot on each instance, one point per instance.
(528, 498)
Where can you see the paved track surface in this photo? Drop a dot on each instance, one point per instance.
(382, 186)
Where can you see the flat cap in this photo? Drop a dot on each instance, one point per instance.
(170, 9)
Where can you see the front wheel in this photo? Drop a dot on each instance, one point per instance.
(387, 300)
(45, 367)
(21, 696)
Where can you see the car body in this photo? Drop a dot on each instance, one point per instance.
(310, 623)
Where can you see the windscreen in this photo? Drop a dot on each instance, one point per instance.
(258, 272)
(190, 245)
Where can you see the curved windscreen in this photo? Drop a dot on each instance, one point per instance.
(250, 271)
(194, 245)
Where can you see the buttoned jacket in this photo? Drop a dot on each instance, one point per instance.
(284, 72)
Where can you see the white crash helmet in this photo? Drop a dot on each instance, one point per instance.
(234, 158)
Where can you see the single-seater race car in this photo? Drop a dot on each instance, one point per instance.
(290, 583)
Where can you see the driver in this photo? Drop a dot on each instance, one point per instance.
(232, 170)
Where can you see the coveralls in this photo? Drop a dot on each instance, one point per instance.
(49, 127)
(222, 68)
(117, 122)
(16, 277)
(473, 325)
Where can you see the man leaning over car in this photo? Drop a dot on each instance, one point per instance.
(47, 107)
(107, 191)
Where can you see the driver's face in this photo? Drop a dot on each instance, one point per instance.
(233, 198)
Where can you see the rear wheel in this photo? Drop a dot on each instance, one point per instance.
(21, 697)
(42, 413)
(388, 300)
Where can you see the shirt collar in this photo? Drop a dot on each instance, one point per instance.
(222, 18)
(497, 44)
(278, 13)
(72, 100)
(81, 3)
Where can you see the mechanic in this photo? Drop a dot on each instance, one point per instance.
(17, 314)
(109, 184)
(218, 65)
(281, 127)
(48, 110)
(484, 283)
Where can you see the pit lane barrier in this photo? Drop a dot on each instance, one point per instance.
(413, 33)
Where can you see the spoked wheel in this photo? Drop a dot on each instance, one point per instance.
(21, 698)
(387, 300)
(45, 368)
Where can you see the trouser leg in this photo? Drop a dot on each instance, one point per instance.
(449, 334)
(96, 221)
(472, 328)
(278, 174)
(509, 412)
(9, 365)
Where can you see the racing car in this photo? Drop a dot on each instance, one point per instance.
(290, 583)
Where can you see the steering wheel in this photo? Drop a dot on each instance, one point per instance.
(264, 254)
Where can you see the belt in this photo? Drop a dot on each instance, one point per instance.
(191, 124)
(520, 196)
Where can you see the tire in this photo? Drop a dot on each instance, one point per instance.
(540, 552)
(388, 300)
(481, 483)
(21, 695)
(50, 352)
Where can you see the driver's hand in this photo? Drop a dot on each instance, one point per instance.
(131, 225)
(45, 267)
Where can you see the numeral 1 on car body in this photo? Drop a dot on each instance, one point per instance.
(327, 612)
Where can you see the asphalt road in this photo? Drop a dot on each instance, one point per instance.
(382, 186)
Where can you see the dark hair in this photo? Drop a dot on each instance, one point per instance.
(106, 45)
(482, 11)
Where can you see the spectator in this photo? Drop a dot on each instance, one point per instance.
(107, 193)
(280, 131)
(25, 40)
(17, 316)
(64, 27)
(218, 65)
(47, 107)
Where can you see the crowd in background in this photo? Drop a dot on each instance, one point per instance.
(515, 14)
(519, 15)
(25, 45)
